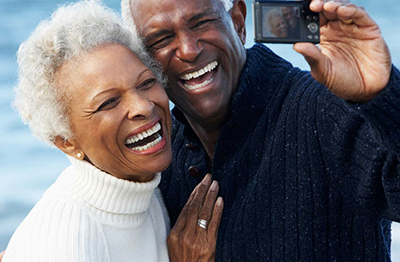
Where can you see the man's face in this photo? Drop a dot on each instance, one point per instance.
(289, 15)
(197, 42)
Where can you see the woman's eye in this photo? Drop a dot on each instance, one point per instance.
(108, 104)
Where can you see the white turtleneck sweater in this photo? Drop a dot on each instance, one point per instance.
(89, 215)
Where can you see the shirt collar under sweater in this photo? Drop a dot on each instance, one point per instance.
(108, 193)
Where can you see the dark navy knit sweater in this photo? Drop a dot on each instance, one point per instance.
(305, 176)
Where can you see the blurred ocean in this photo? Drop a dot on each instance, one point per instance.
(28, 167)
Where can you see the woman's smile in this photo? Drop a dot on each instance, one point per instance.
(149, 141)
(127, 133)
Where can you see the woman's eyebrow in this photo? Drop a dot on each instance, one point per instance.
(97, 95)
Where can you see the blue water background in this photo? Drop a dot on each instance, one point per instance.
(28, 167)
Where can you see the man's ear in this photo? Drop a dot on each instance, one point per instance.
(238, 15)
(69, 147)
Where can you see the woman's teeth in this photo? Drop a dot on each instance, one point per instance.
(148, 145)
(143, 135)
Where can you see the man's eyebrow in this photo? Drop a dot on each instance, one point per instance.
(157, 33)
(198, 16)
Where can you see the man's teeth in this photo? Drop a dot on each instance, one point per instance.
(192, 87)
(143, 135)
(208, 68)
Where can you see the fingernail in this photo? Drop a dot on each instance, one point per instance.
(214, 185)
(220, 201)
(207, 180)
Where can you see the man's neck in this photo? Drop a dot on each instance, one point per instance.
(208, 134)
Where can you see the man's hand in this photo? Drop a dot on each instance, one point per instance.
(353, 60)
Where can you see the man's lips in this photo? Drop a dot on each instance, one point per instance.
(199, 78)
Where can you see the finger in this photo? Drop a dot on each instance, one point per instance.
(197, 202)
(329, 10)
(357, 13)
(316, 5)
(181, 221)
(314, 58)
(213, 226)
(2, 255)
(208, 205)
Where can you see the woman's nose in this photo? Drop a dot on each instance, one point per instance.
(140, 107)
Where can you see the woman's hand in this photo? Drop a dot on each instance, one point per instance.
(353, 60)
(194, 236)
(2, 255)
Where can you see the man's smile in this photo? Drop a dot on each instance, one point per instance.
(200, 78)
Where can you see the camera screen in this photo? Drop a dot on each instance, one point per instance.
(285, 22)
(280, 21)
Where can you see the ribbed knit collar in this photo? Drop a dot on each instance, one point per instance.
(108, 193)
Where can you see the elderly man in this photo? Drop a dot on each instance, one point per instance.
(292, 20)
(307, 163)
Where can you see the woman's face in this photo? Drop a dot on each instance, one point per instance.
(119, 113)
(279, 26)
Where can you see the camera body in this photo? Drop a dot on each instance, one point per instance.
(285, 22)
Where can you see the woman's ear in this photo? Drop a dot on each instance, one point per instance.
(69, 147)
(238, 15)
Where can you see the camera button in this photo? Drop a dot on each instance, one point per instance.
(308, 17)
(315, 17)
(313, 27)
(310, 37)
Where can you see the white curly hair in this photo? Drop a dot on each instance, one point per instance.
(71, 31)
(127, 15)
(269, 16)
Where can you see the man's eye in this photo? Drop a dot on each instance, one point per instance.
(108, 104)
(204, 22)
(163, 42)
(148, 83)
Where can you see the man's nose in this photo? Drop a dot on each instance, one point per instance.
(189, 47)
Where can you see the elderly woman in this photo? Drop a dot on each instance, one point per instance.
(276, 24)
(87, 87)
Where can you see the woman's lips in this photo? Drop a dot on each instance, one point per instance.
(147, 141)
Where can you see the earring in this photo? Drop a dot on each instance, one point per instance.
(79, 155)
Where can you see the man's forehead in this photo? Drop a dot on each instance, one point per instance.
(138, 6)
(287, 8)
(152, 12)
